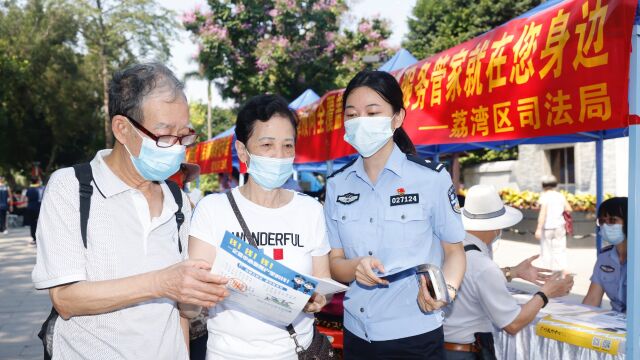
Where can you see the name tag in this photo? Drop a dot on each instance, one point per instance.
(404, 199)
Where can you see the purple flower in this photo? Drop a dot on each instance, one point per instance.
(262, 64)
(329, 49)
(330, 36)
(188, 17)
(239, 8)
(364, 27)
(273, 12)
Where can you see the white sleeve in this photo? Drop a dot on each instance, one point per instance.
(494, 297)
(60, 257)
(184, 229)
(203, 222)
(321, 240)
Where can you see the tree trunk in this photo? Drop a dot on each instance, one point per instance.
(108, 134)
(52, 159)
(208, 109)
(104, 74)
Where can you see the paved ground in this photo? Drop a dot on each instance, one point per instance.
(23, 309)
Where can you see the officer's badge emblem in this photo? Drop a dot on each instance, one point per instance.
(607, 268)
(402, 198)
(348, 198)
(453, 199)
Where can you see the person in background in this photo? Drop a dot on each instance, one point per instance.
(6, 205)
(610, 271)
(387, 212)
(551, 230)
(484, 300)
(34, 200)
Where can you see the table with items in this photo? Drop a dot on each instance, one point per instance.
(565, 330)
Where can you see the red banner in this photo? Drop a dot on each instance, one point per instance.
(563, 70)
(213, 156)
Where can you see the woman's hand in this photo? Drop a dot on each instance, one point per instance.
(425, 301)
(315, 304)
(365, 274)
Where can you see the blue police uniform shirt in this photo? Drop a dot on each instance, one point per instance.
(612, 277)
(400, 220)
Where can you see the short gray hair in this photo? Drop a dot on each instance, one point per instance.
(129, 87)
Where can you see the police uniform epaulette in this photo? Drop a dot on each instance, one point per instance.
(342, 168)
(606, 248)
(426, 163)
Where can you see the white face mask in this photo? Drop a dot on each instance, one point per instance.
(613, 234)
(368, 134)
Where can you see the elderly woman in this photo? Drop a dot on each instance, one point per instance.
(266, 135)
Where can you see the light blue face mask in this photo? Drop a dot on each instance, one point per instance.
(368, 134)
(612, 234)
(270, 173)
(155, 163)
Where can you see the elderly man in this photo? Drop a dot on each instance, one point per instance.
(115, 278)
(484, 302)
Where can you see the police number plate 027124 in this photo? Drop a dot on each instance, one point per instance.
(404, 199)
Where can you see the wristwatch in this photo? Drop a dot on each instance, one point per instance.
(507, 273)
(543, 296)
(455, 291)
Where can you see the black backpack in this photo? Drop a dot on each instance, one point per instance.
(85, 177)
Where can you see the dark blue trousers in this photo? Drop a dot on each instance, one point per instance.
(428, 346)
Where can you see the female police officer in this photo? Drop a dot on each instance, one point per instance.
(386, 211)
(610, 272)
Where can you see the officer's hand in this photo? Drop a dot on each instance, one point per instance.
(557, 286)
(425, 301)
(538, 234)
(190, 282)
(526, 271)
(315, 304)
(365, 274)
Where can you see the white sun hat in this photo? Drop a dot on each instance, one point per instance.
(483, 210)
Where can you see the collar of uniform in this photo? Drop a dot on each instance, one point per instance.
(470, 239)
(394, 163)
(107, 182)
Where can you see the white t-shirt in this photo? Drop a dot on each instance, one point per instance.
(291, 234)
(555, 202)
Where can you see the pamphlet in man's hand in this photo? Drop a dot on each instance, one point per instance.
(259, 285)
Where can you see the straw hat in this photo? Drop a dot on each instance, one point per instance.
(483, 210)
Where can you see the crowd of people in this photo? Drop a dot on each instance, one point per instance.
(126, 259)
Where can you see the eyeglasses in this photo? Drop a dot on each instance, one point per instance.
(611, 220)
(165, 141)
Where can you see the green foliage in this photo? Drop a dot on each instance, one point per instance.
(484, 155)
(55, 60)
(251, 47)
(221, 119)
(437, 25)
(48, 100)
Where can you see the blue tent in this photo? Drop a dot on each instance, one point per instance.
(400, 60)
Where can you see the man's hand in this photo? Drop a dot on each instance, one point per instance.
(425, 301)
(315, 304)
(365, 274)
(557, 286)
(190, 282)
(526, 271)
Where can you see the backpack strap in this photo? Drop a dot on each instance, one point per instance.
(471, 247)
(85, 176)
(177, 196)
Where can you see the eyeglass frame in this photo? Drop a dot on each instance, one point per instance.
(156, 138)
